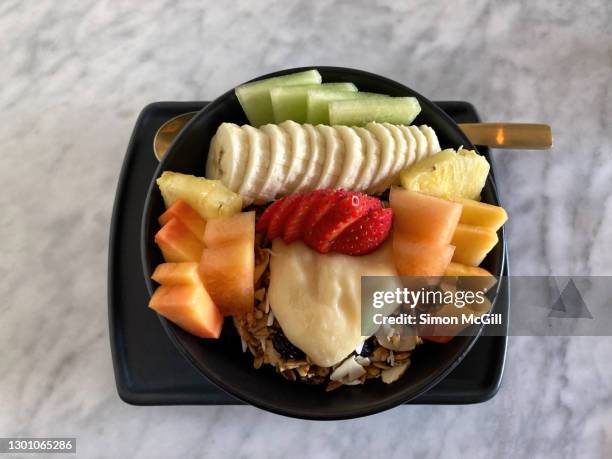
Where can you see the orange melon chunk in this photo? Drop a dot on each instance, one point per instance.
(227, 273)
(419, 259)
(177, 273)
(190, 307)
(238, 227)
(420, 217)
(186, 215)
(478, 213)
(178, 243)
(472, 243)
(471, 278)
(457, 269)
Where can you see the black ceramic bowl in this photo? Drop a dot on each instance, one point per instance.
(222, 361)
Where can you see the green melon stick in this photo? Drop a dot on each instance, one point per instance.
(255, 97)
(317, 103)
(358, 112)
(289, 102)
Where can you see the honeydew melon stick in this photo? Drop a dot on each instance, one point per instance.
(255, 97)
(289, 102)
(317, 103)
(394, 110)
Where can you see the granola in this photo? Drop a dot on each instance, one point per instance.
(263, 337)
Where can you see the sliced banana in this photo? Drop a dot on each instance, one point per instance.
(371, 149)
(421, 142)
(276, 160)
(314, 165)
(432, 139)
(228, 156)
(353, 158)
(332, 166)
(298, 152)
(387, 156)
(279, 161)
(257, 165)
(411, 146)
(401, 146)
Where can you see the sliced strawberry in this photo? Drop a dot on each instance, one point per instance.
(264, 221)
(346, 210)
(373, 203)
(279, 216)
(365, 234)
(294, 228)
(326, 200)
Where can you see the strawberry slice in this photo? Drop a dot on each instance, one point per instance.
(366, 234)
(372, 202)
(279, 216)
(294, 228)
(327, 199)
(346, 210)
(264, 220)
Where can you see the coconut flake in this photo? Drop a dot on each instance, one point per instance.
(244, 344)
(405, 343)
(388, 330)
(393, 374)
(348, 372)
(270, 320)
(359, 348)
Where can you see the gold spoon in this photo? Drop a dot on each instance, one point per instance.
(496, 135)
(517, 136)
(168, 132)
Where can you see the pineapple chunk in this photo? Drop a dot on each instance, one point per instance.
(448, 174)
(209, 198)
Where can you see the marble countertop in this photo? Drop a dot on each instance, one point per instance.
(75, 75)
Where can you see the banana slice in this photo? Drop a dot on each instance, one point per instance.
(411, 146)
(298, 153)
(371, 149)
(421, 142)
(279, 161)
(387, 156)
(401, 147)
(314, 165)
(228, 156)
(432, 139)
(353, 158)
(257, 166)
(332, 166)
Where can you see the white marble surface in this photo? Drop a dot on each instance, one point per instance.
(73, 78)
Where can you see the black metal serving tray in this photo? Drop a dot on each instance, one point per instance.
(150, 371)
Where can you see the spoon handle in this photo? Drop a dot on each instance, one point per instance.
(520, 136)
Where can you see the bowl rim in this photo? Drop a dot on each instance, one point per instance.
(350, 413)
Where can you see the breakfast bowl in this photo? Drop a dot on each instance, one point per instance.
(222, 360)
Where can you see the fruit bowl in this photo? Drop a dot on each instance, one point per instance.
(222, 361)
